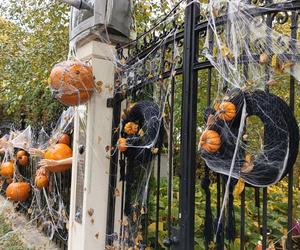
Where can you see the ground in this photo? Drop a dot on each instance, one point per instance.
(17, 234)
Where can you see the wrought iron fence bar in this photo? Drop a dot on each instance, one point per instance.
(113, 172)
(218, 205)
(170, 157)
(294, 30)
(188, 129)
(157, 200)
(242, 228)
(265, 218)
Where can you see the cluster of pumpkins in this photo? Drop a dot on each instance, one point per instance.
(130, 128)
(20, 191)
(210, 140)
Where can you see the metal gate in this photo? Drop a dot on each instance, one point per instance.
(193, 85)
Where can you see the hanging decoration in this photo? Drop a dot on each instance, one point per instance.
(139, 143)
(250, 58)
(72, 82)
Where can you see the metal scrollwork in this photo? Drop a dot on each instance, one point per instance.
(280, 17)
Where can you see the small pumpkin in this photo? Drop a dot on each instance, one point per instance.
(210, 141)
(24, 161)
(7, 169)
(226, 111)
(58, 152)
(41, 181)
(18, 191)
(65, 139)
(122, 144)
(20, 154)
(131, 128)
(72, 82)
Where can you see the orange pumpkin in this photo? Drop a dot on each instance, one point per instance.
(72, 82)
(20, 154)
(226, 110)
(7, 169)
(122, 144)
(58, 152)
(65, 139)
(23, 161)
(18, 191)
(41, 181)
(210, 141)
(131, 128)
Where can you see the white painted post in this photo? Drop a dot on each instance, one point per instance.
(90, 234)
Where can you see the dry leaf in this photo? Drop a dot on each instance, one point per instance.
(107, 148)
(249, 83)
(136, 204)
(264, 58)
(143, 210)
(123, 61)
(216, 12)
(272, 82)
(125, 222)
(117, 192)
(134, 217)
(90, 212)
(276, 65)
(141, 133)
(248, 164)
(225, 51)
(239, 187)
(138, 238)
(154, 151)
(99, 85)
(126, 235)
(287, 65)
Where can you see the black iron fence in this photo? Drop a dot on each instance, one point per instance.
(169, 54)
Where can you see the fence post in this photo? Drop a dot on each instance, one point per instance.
(188, 129)
(90, 231)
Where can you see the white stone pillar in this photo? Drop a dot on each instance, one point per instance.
(90, 234)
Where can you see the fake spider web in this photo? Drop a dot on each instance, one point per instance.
(46, 207)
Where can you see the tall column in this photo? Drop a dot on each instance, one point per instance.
(88, 224)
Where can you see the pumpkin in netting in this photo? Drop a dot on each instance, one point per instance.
(58, 152)
(20, 154)
(22, 158)
(42, 178)
(18, 191)
(210, 141)
(122, 144)
(131, 128)
(226, 110)
(7, 169)
(65, 139)
(72, 82)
